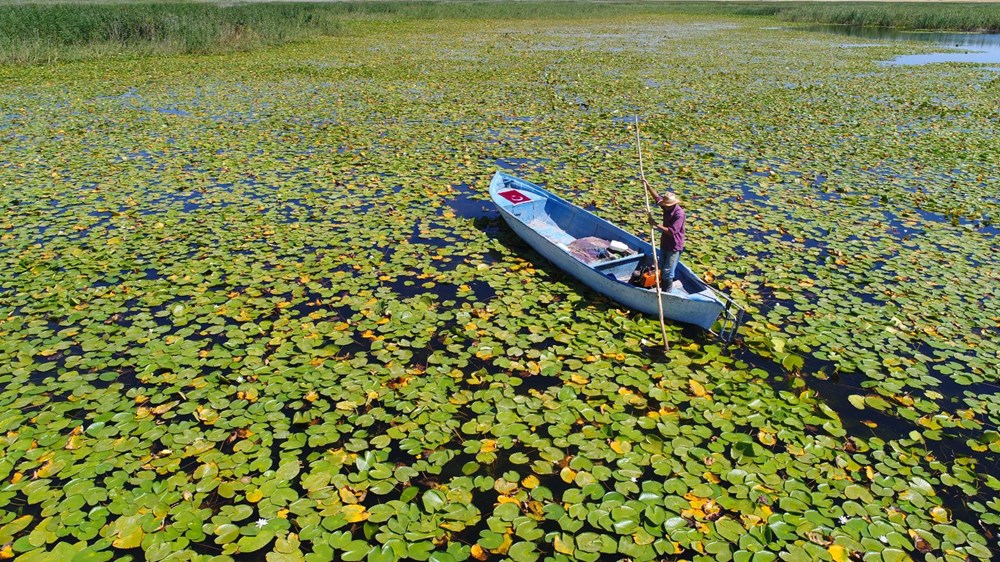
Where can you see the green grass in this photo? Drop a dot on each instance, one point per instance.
(47, 32)
(51, 31)
(952, 17)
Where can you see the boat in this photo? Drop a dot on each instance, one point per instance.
(606, 258)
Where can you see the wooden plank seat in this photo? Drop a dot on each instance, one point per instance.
(621, 268)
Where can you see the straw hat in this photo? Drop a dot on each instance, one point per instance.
(669, 199)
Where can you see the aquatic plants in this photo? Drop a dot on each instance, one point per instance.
(258, 304)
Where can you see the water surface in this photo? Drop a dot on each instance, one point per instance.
(981, 48)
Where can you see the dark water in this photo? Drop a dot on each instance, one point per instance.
(979, 48)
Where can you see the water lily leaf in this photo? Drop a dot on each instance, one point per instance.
(856, 492)
(839, 553)
(357, 550)
(253, 543)
(442, 557)
(951, 533)
(876, 402)
(567, 474)
(355, 513)
(240, 512)
(564, 544)
(584, 479)
(128, 533)
(490, 540)
(408, 493)
(8, 531)
(729, 529)
(626, 526)
(433, 500)
(226, 533)
(696, 388)
(523, 551)
(385, 553)
(792, 362)
(894, 555)
(940, 514)
(287, 471)
(478, 553)
(589, 542)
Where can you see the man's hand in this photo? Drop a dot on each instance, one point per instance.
(652, 220)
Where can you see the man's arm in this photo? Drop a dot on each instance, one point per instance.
(652, 192)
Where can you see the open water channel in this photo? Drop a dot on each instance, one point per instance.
(980, 48)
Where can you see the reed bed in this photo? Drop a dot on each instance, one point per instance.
(983, 17)
(47, 32)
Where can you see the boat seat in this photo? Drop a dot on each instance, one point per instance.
(621, 268)
(601, 265)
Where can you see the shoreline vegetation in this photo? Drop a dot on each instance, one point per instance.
(51, 32)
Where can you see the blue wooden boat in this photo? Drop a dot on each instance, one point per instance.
(551, 226)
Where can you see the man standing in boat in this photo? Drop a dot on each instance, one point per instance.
(671, 234)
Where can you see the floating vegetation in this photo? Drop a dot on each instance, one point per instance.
(258, 305)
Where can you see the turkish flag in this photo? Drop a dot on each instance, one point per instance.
(515, 196)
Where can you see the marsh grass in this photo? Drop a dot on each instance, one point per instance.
(44, 32)
(922, 16)
(51, 31)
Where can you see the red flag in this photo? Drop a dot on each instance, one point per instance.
(515, 196)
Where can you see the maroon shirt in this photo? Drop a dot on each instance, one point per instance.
(673, 220)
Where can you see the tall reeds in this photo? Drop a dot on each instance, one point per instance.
(34, 33)
(905, 16)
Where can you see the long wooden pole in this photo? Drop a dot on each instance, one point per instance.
(652, 238)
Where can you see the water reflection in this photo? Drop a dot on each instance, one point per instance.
(980, 48)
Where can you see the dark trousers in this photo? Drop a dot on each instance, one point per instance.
(668, 268)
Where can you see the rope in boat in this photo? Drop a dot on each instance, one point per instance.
(652, 238)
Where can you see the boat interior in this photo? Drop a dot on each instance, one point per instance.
(563, 225)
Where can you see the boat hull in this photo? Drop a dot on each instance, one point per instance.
(524, 206)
